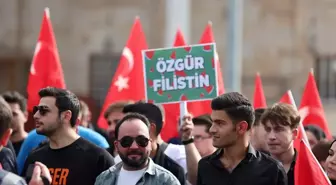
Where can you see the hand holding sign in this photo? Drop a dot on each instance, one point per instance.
(180, 74)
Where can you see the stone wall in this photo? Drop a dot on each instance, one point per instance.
(279, 36)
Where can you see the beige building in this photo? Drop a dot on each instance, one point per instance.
(282, 40)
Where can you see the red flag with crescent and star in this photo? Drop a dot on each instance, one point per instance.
(46, 69)
(127, 83)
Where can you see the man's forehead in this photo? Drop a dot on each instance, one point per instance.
(272, 124)
(14, 106)
(113, 115)
(47, 101)
(134, 126)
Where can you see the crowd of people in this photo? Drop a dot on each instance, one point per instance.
(235, 144)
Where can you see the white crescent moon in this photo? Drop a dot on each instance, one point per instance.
(216, 56)
(127, 53)
(37, 50)
(305, 111)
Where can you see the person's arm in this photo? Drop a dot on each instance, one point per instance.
(105, 161)
(193, 156)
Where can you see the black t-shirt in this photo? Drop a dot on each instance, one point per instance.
(17, 146)
(77, 164)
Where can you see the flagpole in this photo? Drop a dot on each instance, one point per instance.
(177, 16)
(233, 69)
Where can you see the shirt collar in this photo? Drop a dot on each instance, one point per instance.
(150, 169)
(251, 152)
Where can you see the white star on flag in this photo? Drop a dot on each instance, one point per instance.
(121, 83)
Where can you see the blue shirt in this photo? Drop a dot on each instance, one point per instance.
(33, 140)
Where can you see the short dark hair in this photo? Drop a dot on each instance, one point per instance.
(316, 131)
(16, 97)
(282, 114)
(116, 107)
(128, 117)
(203, 120)
(257, 114)
(151, 111)
(6, 117)
(65, 100)
(236, 106)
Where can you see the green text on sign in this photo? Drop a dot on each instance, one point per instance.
(180, 74)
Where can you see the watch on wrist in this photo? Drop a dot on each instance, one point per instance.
(188, 141)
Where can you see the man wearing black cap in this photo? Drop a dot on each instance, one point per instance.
(154, 115)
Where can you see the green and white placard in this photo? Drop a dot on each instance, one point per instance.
(180, 74)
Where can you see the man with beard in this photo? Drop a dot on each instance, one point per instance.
(71, 159)
(153, 113)
(236, 161)
(133, 146)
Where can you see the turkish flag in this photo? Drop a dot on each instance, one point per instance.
(259, 100)
(46, 69)
(311, 106)
(197, 108)
(127, 83)
(307, 170)
(172, 110)
(289, 99)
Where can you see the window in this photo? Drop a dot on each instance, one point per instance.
(102, 69)
(325, 76)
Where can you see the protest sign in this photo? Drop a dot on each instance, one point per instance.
(180, 74)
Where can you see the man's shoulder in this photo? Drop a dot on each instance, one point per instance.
(164, 175)
(212, 156)
(8, 178)
(41, 149)
(265, 159)
(88, 145)
(94, 150)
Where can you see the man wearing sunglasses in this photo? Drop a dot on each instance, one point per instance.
(71, 159)
(133, 144)
(154, 115)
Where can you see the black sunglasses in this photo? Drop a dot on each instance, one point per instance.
(127, 141)
(42, 109)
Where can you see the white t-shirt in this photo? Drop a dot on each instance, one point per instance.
(129, 177)
(178, 154)
(175, 152)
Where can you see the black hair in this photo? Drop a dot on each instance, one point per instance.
(15, 97)
(65, 100)
(131, 116)
(257, 114)
(236, 106)
(203, 120)
(316, 131)
(151, 111)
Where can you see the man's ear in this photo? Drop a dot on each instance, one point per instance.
(152, 130)
(241, 127)
(116, 146)
(5, 137)
(26, 114)
(295, 133)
